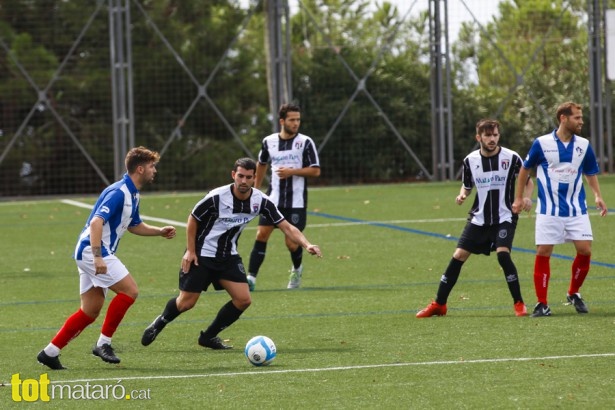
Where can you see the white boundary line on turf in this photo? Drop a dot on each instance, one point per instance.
(149, 218)
(339, 368)
(183, 224)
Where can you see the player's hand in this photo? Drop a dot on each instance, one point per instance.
(100, 266)
(187, 260)
(601, 206)
(527, 204)
(314, 250)
(517, 206)
(168, 232)
(284, 172)
(460, 198)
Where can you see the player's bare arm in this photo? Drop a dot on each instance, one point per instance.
(284, 172)
(144, 229)
(522, 181)
(261, 171)
(463, 194)
(96, 228)
(592, 181)
(297, 236)
(190, 255)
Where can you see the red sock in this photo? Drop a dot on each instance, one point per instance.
(71, 329)
(117, 309)
(580, 268)
(542, 273)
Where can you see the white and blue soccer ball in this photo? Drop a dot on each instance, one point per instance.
(260, 350)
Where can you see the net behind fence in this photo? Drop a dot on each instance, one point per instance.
(361, 71)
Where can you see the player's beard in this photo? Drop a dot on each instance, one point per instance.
(291, 131)
(489, 148)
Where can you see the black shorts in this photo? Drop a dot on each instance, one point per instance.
(485, 239)
(210, 271)
(295, 216)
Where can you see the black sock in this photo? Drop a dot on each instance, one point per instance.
(227, 315)
(257, 257)
(170, 311)
(297, 256)
(510, 273)
(448, 280)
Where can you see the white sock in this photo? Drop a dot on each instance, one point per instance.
(103, 340)
(52, 350)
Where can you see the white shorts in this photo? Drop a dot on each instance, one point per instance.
(116, 271)
(554, 230)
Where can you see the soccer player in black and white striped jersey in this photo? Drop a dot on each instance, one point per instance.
(294, 158)
(491, 225)
(211, 257)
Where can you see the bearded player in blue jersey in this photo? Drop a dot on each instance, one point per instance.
(561, 158)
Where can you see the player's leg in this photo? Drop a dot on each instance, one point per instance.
(298, 218)
(503, 236)
(549, 232)
(234, 281)
(579, 231)
(92, 301)
(191, 284)
(119, 280)
(259, 250)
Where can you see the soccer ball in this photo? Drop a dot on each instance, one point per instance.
(260, 350)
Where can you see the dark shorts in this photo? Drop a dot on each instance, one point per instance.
(210, 271)
(295, 216)
(485, 239)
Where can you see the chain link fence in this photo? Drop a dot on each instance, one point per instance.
(362, 72)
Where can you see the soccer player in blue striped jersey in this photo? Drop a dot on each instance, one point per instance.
(491, 225)
(211, 257)
(561, 158)
(115, 212)
(294, 158)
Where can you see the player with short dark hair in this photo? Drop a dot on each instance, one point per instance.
(561, 158)
(211, 256)
(115, 212)
(294, 158)
(491, 225)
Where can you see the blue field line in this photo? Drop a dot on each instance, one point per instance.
(439, 235)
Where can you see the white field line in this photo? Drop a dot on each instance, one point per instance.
(343, 368)
(183, 224)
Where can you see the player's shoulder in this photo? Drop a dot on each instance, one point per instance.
(509, 152)
(271, 137)
(473, 155)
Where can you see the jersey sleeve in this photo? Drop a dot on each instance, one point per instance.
(310, 154)
(263, 155)
(467, 179)
(136, 218)
(111, 204)
(534, 156)
(590, 164)
(271, 212)
(204, 206)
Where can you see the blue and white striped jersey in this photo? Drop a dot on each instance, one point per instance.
(559, 171)
(221, 218)
(297, 152)
(494, 178)
(118, 206)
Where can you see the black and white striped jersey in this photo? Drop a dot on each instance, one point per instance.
(221, 218)
(494, 178)
(297, 152)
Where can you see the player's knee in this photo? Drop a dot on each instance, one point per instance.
(185, 303)
(504, 258)
(242, 303)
